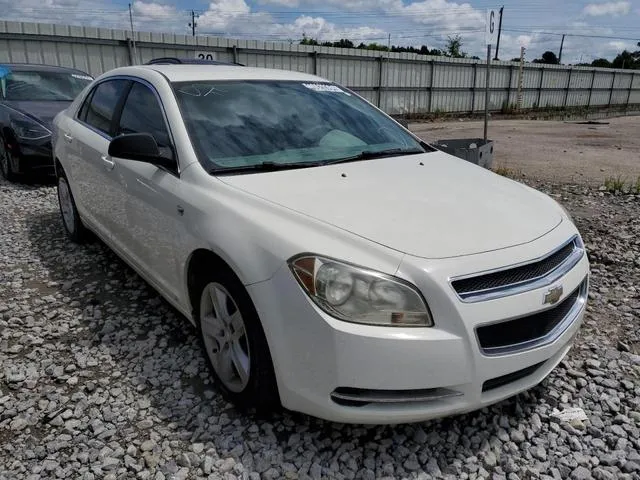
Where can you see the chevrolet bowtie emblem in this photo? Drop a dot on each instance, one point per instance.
(553, 295)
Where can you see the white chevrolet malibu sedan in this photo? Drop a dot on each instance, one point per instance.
(333, 262)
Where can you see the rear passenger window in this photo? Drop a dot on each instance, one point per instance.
(99, 111)
(142, 114)
(82, 114)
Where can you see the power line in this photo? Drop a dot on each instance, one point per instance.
(581, 35)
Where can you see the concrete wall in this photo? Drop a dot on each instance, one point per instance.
(399, 83)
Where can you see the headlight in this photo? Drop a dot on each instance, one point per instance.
(28, 129)
(355, 294)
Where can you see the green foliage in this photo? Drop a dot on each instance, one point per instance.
(346, 43)
(454, 47)
(614, 184)
(505, 171)
(508, 107)
(548, 58)
(602, 63)
(628, 60)
(635, 188)
(625, 59)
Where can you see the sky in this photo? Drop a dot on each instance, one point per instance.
(594, 29)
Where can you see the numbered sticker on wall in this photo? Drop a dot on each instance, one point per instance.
(491, 29)
(201, 55)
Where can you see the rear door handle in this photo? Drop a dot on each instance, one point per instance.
(108, 163)
(68, 137)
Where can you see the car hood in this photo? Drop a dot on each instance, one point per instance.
(42, 111)
(443, 208)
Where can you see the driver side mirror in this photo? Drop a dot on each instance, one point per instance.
(141, 147)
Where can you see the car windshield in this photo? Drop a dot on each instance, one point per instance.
(21, 85)
(246, 124)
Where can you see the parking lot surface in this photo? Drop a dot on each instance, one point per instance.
(101, 379)
(568, 152)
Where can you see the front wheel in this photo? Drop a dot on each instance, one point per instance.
(234, 342)
(76, 231)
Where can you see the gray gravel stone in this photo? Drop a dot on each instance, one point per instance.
(581, 473)
(101, 379)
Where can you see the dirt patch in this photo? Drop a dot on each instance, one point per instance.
(558, 151)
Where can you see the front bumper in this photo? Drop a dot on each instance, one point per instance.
(33, 156)
(320, 361)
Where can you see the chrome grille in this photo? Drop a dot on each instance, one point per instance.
(532, 330)
(499, 283)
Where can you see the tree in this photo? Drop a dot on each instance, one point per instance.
(454, 47)
(627, 60)
(516, 59)
(344, 43)
(601, 62)
(308, 41)
(548, 57)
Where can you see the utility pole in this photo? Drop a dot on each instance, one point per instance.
(193, 23)
(499, 33)
(486, 93)
(561, 47)
(133, 36)
(520, 78)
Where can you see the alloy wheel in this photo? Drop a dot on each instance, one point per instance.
(225, 337)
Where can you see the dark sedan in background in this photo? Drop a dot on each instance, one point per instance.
(30, 96)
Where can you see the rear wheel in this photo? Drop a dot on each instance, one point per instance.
(234, 342)
(5, 162)
(76, 231)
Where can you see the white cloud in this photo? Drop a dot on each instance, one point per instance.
(619, 46)
(152, 10)
(608, 8)
(284, 3)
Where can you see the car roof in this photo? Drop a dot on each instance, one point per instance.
(193, 72)
(194, 61)
(36, 67)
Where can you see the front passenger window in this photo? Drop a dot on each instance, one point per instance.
(142, 114)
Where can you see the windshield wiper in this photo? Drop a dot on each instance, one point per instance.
(262, 167)
(371, 154)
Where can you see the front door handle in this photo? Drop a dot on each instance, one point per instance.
(68, 137)
(108, 163)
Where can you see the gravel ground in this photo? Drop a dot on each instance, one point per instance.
(100, 378)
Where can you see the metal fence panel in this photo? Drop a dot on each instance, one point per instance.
(603, 80)
(578, 98)
(600, 98)
(398, 82)
(581, 79)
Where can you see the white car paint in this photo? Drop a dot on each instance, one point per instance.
(424, 218)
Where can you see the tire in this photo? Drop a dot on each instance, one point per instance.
(73, 225)
(234, 343)
(6, 170)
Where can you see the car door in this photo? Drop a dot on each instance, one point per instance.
(151, 193)
(95, 186)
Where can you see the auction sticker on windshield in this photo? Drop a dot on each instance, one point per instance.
(325, 87)
(82, 77)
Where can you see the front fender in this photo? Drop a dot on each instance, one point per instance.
(256, 237)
